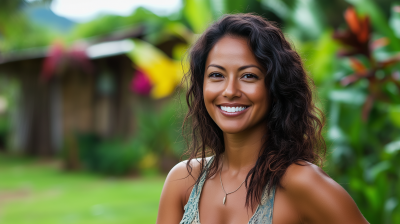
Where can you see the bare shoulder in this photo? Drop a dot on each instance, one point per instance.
(303, 175)
(176, 191)
(317, 197)
(181, 173)
(183, 181)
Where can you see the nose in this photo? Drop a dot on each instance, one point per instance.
(231, 89)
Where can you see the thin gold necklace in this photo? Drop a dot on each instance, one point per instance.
(226, 194)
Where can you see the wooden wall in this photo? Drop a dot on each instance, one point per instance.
(50, 112)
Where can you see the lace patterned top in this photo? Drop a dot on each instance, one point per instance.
(262, 215)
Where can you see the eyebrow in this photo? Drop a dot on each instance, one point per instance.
(240, 68)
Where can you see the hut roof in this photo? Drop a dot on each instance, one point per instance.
(112, 44)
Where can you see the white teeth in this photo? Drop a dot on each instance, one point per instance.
(232, 109)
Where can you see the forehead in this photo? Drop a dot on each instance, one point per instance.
(231, 51)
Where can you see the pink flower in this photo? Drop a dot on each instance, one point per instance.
(140, 83)
(53, 61)
(59, 58)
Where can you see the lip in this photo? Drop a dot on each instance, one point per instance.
(232, 114)
(233, 105)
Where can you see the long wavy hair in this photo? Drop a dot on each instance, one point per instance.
(294, 124)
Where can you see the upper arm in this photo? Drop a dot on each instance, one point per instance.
(318, 198)
(175, 194)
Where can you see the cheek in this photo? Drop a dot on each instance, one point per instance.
(259, 96)
(210, 93)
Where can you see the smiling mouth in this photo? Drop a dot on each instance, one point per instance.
(232, 110)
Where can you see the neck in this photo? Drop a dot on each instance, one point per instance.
(242, 149)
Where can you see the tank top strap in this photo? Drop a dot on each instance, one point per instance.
(263, 213)
(264, 210)
(191, 207)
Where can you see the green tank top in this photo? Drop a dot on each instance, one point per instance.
(263, 214)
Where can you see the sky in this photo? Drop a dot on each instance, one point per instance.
(85, 10)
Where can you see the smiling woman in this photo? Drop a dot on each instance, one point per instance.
(233, 79)
(251, 112)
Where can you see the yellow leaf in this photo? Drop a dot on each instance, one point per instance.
(164, 73)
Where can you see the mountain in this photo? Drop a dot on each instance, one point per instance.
(45, 17)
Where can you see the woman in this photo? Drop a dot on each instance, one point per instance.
(251, 111)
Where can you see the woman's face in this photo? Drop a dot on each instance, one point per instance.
(234, 91)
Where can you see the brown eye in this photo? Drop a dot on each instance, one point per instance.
(249, 76)
(215, 75)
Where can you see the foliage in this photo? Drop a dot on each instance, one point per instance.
(363, 146)
(11, 7)
(164, 73)
(14, 26)
(4, 122)
(8, 91)
(112, 157)
(302, 19)
(157, 141)
(110, 23)
(4, 129)
(159, 128)
(197, 14)
(13, 34)
(362, 98)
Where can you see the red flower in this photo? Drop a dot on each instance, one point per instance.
(358, 26)
(141, 83)
(53, 60)
(59, 59)
(357, 37)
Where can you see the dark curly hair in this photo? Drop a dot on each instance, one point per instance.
(294, 124)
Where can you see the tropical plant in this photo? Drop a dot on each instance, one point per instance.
(363, 109)
(163, 72)
(109, 156)
(14, 26)
(159, 130)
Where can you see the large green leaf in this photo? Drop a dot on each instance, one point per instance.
(198, 14)
(278, 7)
(394, 114)
(236, 6)
(392, 147)
(322, 57)
(394, 21)
(349, 96)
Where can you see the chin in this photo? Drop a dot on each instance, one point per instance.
(232, 129)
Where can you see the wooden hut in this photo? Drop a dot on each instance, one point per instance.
(50, 111)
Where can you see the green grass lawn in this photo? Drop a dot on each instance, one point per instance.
(33, 192)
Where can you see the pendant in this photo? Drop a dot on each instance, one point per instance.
(224, 200)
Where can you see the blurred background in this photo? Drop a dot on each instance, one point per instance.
(90, 101)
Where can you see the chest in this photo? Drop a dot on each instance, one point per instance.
(212, 210)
